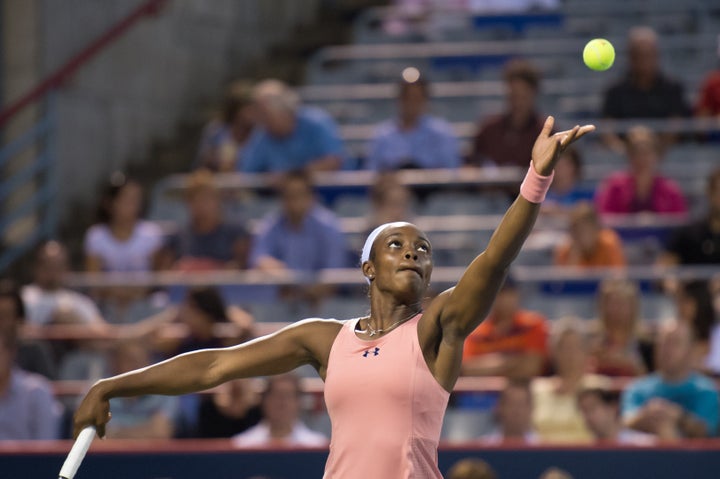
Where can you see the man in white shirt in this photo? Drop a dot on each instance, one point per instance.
(48, 301)
(280, 425)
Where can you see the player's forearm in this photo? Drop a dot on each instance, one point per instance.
(511, 234)
(277, 353)
(182, 374)
(475, 292)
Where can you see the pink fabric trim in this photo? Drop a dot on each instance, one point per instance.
(535, 186)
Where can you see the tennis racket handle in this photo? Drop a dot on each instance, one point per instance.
(77, 453)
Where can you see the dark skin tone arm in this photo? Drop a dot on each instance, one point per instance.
(449, 318)
(455, 313)
(306, 342)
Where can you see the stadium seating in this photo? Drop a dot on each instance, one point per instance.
(463, 58)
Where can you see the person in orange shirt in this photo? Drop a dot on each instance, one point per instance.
(589, 245)
(511, 342)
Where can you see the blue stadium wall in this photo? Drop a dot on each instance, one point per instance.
(615, 463)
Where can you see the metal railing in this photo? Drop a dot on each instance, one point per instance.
(39, 173)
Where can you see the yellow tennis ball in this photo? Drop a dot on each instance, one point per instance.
(599, 54)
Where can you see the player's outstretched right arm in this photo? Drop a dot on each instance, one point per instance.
(305, 342)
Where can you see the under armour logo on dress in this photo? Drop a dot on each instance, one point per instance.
(374, 352)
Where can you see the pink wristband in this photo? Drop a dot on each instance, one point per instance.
(534, 187)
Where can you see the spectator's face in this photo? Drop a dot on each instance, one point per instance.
(598, 415)
(515, 411)
(51, 267)
(395, 205)
(565, 173)
(674, 349)
(127, 204)
(619, 310)
(520, 97)
(243, 123)
(644, 60)
(585, 234)
(9, 318)
(281, 405)
(297, 199)
(555, 474)
(205, 205)
(570, 354)
(507, 303)
(413, 102)
(277, 121)
(643, 157)
(235, 397)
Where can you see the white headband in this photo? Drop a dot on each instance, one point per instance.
(367, 248)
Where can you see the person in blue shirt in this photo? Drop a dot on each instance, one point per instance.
(207, 241)
(414, 139)
(303, 236)
(224, 138)
(289, 137)
(28, 409)
(675, 401)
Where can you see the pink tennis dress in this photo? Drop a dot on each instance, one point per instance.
(385, 406)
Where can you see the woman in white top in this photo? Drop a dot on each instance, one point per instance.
(121, 240)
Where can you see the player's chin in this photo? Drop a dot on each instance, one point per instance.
(408, 277)
(411, 286)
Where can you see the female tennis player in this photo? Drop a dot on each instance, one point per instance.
(387, 375)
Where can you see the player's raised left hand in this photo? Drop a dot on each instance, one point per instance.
(549, 146)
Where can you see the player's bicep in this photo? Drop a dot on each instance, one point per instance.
(471, 299)
(438, 324)
(276, 353)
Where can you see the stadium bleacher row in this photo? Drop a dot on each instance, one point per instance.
(463, 58)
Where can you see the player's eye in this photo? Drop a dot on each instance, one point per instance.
(395, 244)
(424, 248)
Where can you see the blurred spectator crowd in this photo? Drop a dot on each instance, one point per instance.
(608, 371)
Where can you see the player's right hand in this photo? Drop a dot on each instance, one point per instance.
(94, 410)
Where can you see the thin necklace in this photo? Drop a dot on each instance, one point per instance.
(370, 331)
